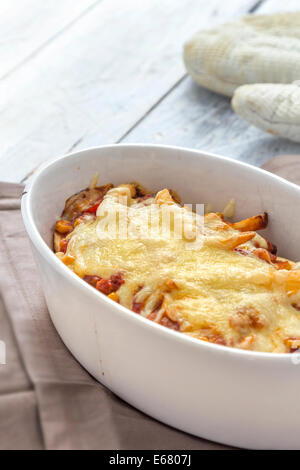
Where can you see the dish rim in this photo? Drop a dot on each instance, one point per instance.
(79, 283)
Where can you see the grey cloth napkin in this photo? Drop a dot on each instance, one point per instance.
(47, 400)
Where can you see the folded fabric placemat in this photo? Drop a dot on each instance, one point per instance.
(47, 400)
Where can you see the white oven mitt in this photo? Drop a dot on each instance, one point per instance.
(254, 49)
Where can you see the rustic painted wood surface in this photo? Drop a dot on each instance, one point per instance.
(76, 74)
(195, 117)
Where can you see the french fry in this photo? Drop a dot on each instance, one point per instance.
(64, 226)
(237, 239)
(140, 190)
(264, 254)
(68, 259)
(175, 196)
(57, 237)
(271, 248)
(229, 209)
(258, 222)
(94, 181)
(282, 263)
(164, 197)
(216, 221)
(130, 187)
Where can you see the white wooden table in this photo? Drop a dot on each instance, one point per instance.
(88, 72)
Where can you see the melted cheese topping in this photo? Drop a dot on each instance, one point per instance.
(212, 291)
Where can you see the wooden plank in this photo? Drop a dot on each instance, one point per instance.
(97, 79)
(272, 6)
(27, 25)
(194, 117)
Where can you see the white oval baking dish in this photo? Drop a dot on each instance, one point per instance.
(236, 397)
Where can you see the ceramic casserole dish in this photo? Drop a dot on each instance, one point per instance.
(241, 398)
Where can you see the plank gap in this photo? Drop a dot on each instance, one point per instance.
(257, 5)
(160, 100)
(50, 40)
